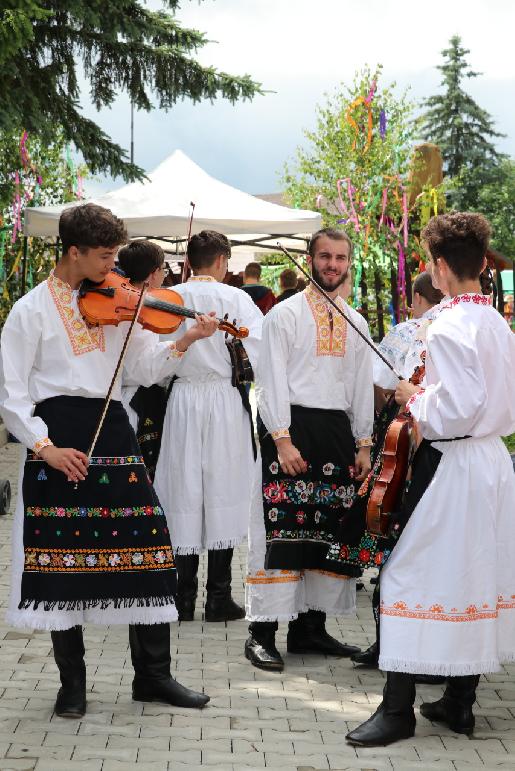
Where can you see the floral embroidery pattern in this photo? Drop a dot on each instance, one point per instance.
(331, 327)
(365, 553)
(411, 400)
(99, 460)
(83, 338)
(99, 512)
(477, 299)
(311, 493)
(93, 560)
(282, 433)
(437, 612)
(43, 443)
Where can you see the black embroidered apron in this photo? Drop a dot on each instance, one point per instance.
(105, 541)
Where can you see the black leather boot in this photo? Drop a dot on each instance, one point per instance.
(455, 707)
(220, 605)
(260, 646)
(187, 585)
(430, 679)
(368, 658)
(69, 656)
(394, 719)
(150, 653)
(307, 634)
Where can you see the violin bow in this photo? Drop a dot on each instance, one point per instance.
(117, 371)
(186, 264)
(340, 311)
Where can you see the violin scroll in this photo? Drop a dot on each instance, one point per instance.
(238, 332)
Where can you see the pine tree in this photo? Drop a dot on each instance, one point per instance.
(122, 47)
(453, 120)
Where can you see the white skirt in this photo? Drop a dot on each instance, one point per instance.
(205, 468)
(280, 595)
(54, 620)
(448, 589)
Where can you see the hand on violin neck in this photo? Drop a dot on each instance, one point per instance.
(404, 391)
(289, 457)
(71, 462)
(362, 464)
(205, 326)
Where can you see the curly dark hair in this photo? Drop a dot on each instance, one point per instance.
(89, 226)
(461, 238)
(139, 259)
(204, 248)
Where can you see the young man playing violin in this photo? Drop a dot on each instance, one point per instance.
(90, 541)
(315, 397)
(206, 463)
(447, 588)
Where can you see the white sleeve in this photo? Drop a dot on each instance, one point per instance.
(448, 408)
(362, 405)
(19, 344)
(252, 318)
(272, 392)
(148, 360)
(394, 346)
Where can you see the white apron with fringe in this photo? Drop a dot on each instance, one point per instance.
(448, 589)
(280, 595)
(206, 464)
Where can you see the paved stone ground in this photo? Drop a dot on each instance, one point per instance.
(295, 721)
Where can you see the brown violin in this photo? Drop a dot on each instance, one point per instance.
(115, 300)
(400, 440)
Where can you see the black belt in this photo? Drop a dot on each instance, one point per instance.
(454, 439)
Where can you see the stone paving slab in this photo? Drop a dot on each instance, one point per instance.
(293, 721)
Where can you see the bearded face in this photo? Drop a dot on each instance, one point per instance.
(330, 263)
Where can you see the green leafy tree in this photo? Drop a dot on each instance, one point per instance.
(31, 173)
(454, 121)
(122, 47)
(493, 192)
(354, 168)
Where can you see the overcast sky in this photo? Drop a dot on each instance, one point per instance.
(300, 49)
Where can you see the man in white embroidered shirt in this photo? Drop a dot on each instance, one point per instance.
(315, 397)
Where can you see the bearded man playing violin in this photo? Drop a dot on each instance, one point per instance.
(90, 541)
(315, 397)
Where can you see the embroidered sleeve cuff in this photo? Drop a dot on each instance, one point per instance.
(282, 433)
(365, 442)
(42, 443)
(412, 399)
(173, 352)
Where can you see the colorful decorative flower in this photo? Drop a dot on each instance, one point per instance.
(160, 557)
(272, 515)
(318, 514)
(300, 517)
(364, 555)
(436, 608)
(300, 486)
(137, 558)
(69, 560)
(114, 560)
(83, 512)
(328, 469)
(104, 512)
(44, 559)
(344, 552)
(275, 492)
(60, 512)
(91, 560)
(274, 467)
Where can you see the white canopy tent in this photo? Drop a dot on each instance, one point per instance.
(159, 207)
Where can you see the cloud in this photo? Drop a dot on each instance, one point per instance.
(299, 50)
